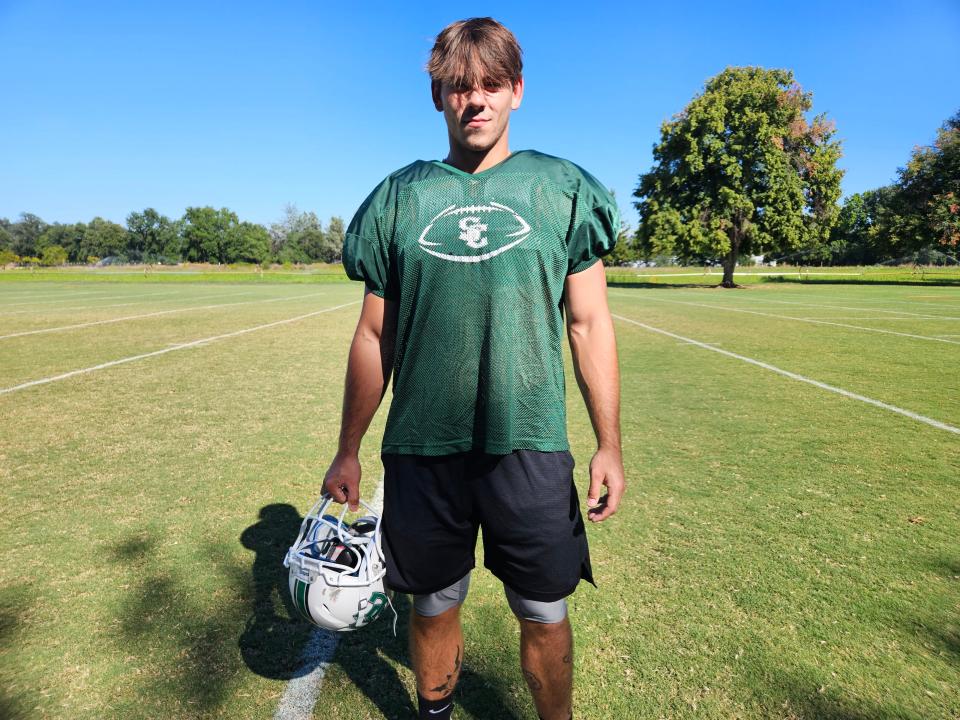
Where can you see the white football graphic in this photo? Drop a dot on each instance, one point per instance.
(474, 232)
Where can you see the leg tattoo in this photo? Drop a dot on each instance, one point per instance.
(447, 687)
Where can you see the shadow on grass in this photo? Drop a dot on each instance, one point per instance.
(272, 644)
(613, 282)
(13, 706)
(944, 631)
(482, 690)
(941, 282)
(803, 700)
(183, 651)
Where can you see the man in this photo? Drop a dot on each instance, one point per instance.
(469, 265)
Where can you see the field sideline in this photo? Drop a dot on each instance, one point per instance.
(788, 547)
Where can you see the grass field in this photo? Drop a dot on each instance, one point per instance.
(784, 551)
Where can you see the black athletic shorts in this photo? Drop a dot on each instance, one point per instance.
(533, 534)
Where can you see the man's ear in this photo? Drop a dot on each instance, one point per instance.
(435, 93)
(517, 93)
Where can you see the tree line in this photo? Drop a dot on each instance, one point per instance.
(744, 170)
(202, 235)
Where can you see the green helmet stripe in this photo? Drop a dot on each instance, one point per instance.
(300, 598)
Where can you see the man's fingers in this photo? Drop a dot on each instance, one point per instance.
(331, 486)
(596, 487)
(353, 495)
(608, 503)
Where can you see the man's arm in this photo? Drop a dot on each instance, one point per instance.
(594, 348)
(369, 366)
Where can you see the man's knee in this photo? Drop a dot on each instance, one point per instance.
(437, 603)
(535, 610)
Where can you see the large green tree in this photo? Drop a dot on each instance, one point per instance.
(103, 238)
(205, 233)
(247, 242)
(69, 237)
(926, 209)
(152, 236)
(25, 232)
(741, 170)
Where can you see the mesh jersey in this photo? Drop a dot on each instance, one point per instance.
(476, 263)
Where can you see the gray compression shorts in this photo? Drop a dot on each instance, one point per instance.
(439, 602)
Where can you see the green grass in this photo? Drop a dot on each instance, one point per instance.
(202, 273)
(783, 551)
(746, 275)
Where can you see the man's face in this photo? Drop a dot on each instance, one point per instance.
(477, 117)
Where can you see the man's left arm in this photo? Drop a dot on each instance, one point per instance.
(594, 348)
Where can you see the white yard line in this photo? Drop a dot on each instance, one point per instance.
(800, 378)
(153, 314)
(886, 319)
(172, 348)
(719, 275)
(101, 297)
(848, 307)
(873, 300)
(67, 293)
(710, 306)
(301, 693)
(112, 305)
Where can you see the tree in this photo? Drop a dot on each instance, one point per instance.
(860, 236)
(69, 237)
(6, 239)
(333, 251)
(741, 170)
(246, 242)
(289, 230)
(626, 250)
(205, 234)
(53, 255)
(926, 208)
(103, 238)
(25, 233)
(151, 236)
(312, 242)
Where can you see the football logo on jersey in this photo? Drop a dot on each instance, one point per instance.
(457, 232)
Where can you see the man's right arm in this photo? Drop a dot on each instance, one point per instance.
(369, 366)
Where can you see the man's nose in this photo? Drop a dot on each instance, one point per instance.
(476, 98)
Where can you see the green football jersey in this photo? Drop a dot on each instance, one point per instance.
(476, 264)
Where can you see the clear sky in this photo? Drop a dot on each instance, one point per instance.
(111, 107)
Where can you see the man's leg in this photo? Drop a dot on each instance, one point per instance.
(436, 647)
(546, 654)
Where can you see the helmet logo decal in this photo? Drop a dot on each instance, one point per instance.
(454, 233)
(376, 603)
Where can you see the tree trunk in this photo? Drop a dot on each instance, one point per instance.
(729, 262)
(730, 259)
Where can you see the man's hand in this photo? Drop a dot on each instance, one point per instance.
(342, 481)
(606, 469)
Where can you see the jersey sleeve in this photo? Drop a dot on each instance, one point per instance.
(596, 225)
(367, 251)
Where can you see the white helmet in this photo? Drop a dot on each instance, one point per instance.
(336, 570)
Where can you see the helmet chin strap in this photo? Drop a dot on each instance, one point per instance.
(395, 615)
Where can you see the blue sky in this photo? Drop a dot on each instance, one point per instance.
(115, 107)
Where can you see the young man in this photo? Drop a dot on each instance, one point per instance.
(469, 264)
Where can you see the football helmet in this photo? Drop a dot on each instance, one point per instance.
(337, 569)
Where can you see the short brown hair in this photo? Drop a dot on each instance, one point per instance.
(475, 52)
